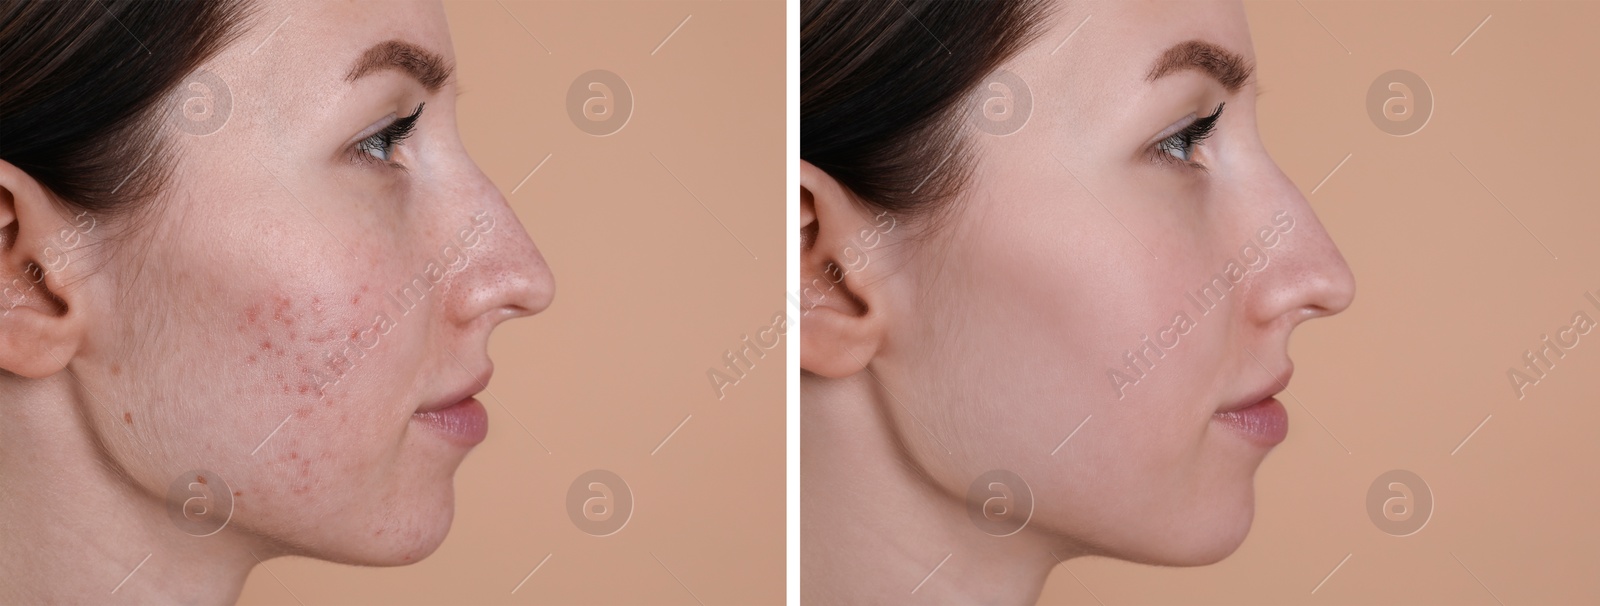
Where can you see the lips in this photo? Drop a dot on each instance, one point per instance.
(1280, 382)
(1258, 417)
(479, 382)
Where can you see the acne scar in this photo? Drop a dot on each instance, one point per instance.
(280, 311)
(200, 479)
(127, 417)
(116, 369)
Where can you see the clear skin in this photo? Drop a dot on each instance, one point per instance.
(982, 344)
(185, 343)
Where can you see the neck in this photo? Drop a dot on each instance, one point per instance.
(77, 530)
(873, 528)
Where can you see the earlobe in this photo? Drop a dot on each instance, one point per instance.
(40, 327)
(842, 302)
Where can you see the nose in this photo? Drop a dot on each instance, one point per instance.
(1311, 278)
(505, 276)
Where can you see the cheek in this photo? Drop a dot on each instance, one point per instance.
(302, 352)
(300, 355)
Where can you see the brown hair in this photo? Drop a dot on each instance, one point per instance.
(82, 85)
(882, 84)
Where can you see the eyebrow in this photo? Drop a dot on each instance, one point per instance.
(426, 66)
(1226, 66)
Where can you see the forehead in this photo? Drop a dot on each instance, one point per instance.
(310, 46)
(351, 19)
(1108, 47)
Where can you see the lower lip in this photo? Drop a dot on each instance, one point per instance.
(1264, 423)
(465, 423)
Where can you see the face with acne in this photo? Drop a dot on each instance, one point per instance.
(313, 275)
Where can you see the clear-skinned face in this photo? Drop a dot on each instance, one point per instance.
(1080, 235)
(304, 289)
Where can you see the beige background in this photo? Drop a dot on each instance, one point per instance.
(1451, 290)
(652, 289)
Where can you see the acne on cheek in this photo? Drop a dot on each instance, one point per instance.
(289, 370)
(307, 347)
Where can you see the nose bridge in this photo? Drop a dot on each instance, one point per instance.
(1307, 272)
(500, 269)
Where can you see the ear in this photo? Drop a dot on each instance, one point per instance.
(40, 327)
(842, 275)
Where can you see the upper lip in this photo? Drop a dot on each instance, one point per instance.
(1279, 382)
(480, 382)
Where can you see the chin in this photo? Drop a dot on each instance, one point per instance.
(396, 534)
(1198, 535)
(1210, 536)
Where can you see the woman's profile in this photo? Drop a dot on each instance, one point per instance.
(250, 273)
(1048, 278)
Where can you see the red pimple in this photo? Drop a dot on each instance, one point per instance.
(266, 345)
(280, 312)
(238, 494)
(294, 455)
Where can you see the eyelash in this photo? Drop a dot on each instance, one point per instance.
(380, 146)
(1184, 141)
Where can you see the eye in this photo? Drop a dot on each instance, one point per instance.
(1180, 146)
(380, 146)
